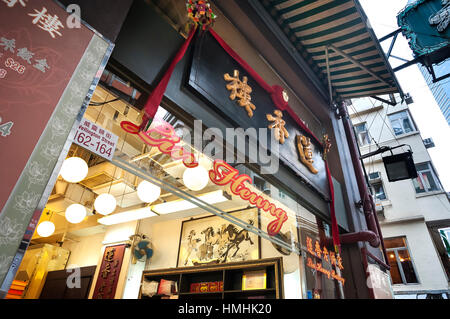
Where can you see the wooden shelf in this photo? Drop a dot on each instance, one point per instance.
(200, 293)
(252, 291)
(230, 274)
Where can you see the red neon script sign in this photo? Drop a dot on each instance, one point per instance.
(167, 143)
(223, 174)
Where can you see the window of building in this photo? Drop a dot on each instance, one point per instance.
(426, 180)
(362, 134)
(402, 268)
(445, 237)
(401, 122)
(378, 191)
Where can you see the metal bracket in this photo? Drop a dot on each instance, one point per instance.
(359, 204)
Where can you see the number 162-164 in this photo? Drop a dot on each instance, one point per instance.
(99, 147)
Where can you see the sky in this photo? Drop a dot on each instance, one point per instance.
(382, 15)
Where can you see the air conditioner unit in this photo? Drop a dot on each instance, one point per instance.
(375, 177)
(428, 142)
(379, 207)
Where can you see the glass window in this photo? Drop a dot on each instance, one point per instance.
(395, 272)
(402, 268)
(426, 180)
(363, 134)
(313, 233)
(401, 122)
(378, 191)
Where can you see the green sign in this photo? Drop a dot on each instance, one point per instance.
(426, 25)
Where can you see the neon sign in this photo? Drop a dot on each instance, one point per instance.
(325, 255)
(222, 173)
(167, 143)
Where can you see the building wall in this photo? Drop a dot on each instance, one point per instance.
(427, 264)
(441, 89)
(404, 212)
(402, 200)
(85, 251)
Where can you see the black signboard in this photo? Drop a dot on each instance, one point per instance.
(210, 62)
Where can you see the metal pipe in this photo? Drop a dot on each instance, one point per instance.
(380, 234)
(367, 201)
(378, 260)
(350, 238)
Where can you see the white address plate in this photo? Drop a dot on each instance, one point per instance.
(96, 139)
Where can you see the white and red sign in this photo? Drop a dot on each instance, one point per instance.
(96, 139)
(38, 55)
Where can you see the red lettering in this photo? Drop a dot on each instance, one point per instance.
(223, 174)
(166, 143)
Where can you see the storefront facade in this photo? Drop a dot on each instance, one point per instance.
(242, 212)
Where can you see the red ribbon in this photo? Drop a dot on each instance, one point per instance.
(276, 93)
(154, 100)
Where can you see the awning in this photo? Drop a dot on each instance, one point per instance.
(335, 38)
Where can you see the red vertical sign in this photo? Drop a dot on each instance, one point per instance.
(108, 276)
(39, 52)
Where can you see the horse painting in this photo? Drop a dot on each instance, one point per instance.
(220, 242)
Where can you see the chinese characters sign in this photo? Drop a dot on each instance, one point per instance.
(322, 260)
(108, 276)
(238, 97)
(241, 90)
(38, 56)
(96, 139)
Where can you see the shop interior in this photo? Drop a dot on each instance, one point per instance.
(96, 203)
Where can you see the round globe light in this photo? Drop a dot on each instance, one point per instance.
(45, 229)
(195, 178)
(75, 213)
(148, 192)
(105, 204)
(74, 169)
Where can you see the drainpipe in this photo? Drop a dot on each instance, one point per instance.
(373, 235)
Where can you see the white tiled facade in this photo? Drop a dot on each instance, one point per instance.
(408, 210)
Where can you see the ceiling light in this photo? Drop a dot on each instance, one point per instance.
(75, 213)
(45, 229)
(148, 192)
(127, 216)
(178, 205)
(74, 169)
(195, 178)
(105, 204)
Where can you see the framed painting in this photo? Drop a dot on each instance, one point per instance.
(214, 240)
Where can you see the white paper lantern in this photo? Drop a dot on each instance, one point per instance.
(75, 213)
(148, 192)
(105, 204)
(195, 178)
(74, 169)
(45, 229)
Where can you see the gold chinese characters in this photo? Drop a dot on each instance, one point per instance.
(241, 90)
(278, 124)
(305, 151)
